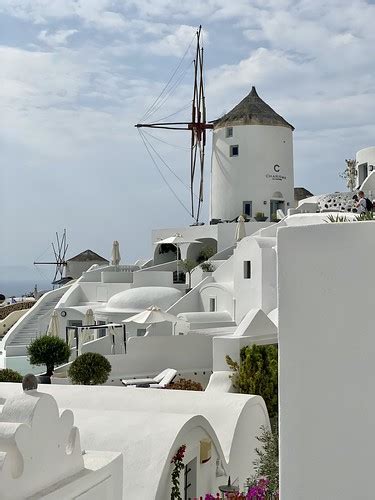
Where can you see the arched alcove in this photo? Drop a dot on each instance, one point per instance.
(165, 253)
(194, 250)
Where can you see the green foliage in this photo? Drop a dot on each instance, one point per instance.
(257, 373)
(167, 247)
(188, 265)
(266, 464)
(91, 368)
(207, 267)
(206, 253)
(366, 216)
(178, 467)
(260, 215)
(8, 375)
(49, 351)
(337, 218)
(184, 384)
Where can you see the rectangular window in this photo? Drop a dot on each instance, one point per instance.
(212, 304)
(229, 132)
(247, 208)
(141, 332)
(247, 269)
(234, 150)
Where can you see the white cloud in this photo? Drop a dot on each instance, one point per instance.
(53, 38)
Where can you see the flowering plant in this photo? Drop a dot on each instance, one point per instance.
(178, 463)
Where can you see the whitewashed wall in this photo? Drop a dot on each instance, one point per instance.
(252, 176)
(327, 346)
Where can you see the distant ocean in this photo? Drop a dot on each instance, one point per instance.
(18, 288)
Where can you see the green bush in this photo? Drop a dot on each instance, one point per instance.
(205, 254)
(91, 368)
(266, 464)
(257, 373)
(8, 375)
(207, 267)
(49, 351)
(184, 384)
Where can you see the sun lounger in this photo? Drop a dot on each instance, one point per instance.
(155, 381)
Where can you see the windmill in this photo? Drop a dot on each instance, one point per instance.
(59, 249)
(197, 127)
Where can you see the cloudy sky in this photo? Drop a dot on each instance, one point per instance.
(75, 75)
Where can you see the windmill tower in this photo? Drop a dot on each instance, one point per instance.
(252, 161)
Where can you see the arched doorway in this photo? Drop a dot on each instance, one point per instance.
(276, 202)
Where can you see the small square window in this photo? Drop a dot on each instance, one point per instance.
(247, 208)
(141, 332)
(234, 150)
(229, 132)
(247, 269)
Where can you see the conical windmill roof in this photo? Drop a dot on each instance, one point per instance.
(252, 110)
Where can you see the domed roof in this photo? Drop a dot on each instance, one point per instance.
(252, 110)
(139, 299)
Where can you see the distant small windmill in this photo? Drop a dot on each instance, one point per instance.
(59, 249)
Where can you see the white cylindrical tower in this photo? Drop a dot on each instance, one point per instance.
(252, 162)
(365, 161)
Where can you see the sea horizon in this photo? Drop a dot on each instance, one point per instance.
(18, 288)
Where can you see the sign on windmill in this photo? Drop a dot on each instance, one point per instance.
(197, 126)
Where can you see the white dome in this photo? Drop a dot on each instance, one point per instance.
(139, 299)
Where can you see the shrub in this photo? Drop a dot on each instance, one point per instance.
(91, 368)
(207, 267)
(266, 464)
(184, 384)
(49, 351)
(205, 254)
(188, 266)
(8, 375)
(257, 373)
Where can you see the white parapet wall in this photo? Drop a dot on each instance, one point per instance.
(326, 346)
(42, 456)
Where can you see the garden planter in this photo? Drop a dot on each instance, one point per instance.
(44, 379)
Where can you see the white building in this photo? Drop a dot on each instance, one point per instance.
(252, 162)
(137, 432)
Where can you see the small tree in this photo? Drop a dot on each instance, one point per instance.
(49, 351)
(91, 368)
(8, 375)
(257, 373)
(188, 266)
(266, 464)
(206, 253)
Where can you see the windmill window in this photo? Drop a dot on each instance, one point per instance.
(234, 150)
(212, 304)
(229, 132)
(247, 269)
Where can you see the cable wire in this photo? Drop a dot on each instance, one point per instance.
(162, 175)
(168, 167)
(170, 79)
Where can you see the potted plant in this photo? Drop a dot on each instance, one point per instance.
(91, 368)
(207, 267)
(49, 351)
(259, 216)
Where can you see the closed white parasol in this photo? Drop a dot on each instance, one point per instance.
(54, 326)
(116, 257)
(240, 229)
